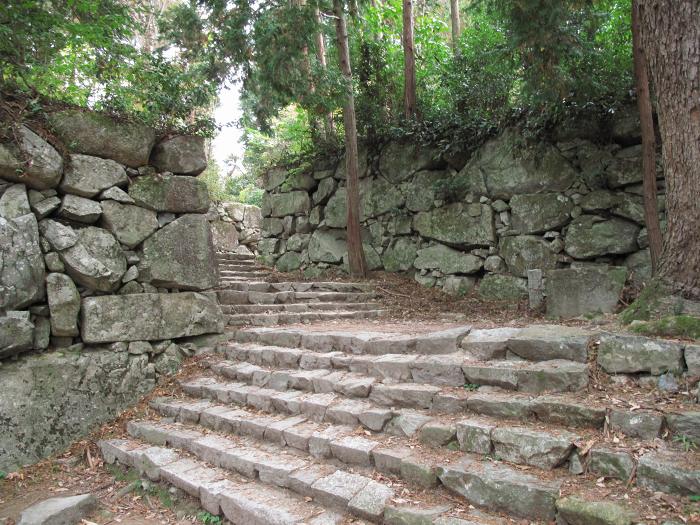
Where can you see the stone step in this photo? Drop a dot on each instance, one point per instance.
(295, 307)
(235, 256)
(520, 445)
(298, 286)
(235, 276)
(273, 319)
(226, 296)
(493, 487)
(219, 492)
(227, 268)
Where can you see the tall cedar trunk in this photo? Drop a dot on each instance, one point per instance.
(329, 127)
(651, 214)
(356, 254)
(313, 122)
(670, 34)
(456, 27)
(409, 69)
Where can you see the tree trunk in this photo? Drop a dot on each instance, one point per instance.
(329, 128)
(651, 213)
(670, 35)
(409, 69)
(356, 254)
(456, 27)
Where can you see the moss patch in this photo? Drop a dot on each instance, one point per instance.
(681, 326)
(643, 308)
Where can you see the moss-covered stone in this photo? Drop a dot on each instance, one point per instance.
(495, 287)
(576, 511)
(680, 326)
(170, 193)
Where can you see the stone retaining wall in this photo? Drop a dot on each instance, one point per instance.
(236, 227)
(513, 206)
(106, 259)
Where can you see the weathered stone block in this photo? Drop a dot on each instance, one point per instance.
(540, 212)
(182, 154)
(572, 292)
(470, 225)
(87, 176)
(45, 165)
(628, 354)
(129, 224)
(64, 304)
(591, 236)
(96, 260)
(170, 193)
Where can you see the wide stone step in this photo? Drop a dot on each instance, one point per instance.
(219, 491)
(519, 445)
(295, 307)
(533, 497)
(237, 275)
(274, 319)
(303, 473)
(234, 257)
(226, 296)
(300, 286)
(239, 267)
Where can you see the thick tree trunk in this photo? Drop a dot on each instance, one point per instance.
(456, 25)
(409, 69)
(670, 34)
(329, 128)
(651, 213)
(356, 254)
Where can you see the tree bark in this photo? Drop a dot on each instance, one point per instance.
(409, 69)
(456, 25)
(651, 213)
(356, 254)
(670, 35)
(329, 127)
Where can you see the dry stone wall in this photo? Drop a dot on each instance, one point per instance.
(106, 260)
(236, 227)
(571, 204)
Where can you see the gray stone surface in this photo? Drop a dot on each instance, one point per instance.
(93, 133)
(87, 176)
(67, 510)
(180, 255)
(545, 342)
(327, 246)
(148, 317)
(96, 261)
(59, 236)
(170, 193)
(573, 510)
(21, 260)
(530, 447)
(16, 335)
(685, 424)
(592, 236)
(540, 212)
(666, 472)
(224, 236)
(79, 209)
(64, 304)
(572, 292)
(130, 224)
(470, 225)
(116, 194)
(447, 260)
(181, 154)
(629, 354)
(526, 252)
(398, 162)
(282, 204)
(45, 165)
(496, 287)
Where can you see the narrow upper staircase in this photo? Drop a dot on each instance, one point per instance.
(247, 298)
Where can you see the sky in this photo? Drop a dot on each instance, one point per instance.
(227, 113)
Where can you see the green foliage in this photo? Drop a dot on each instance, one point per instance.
(3, 475)
(685, 442)
(681, 326)
(207, 518)
(212, 178)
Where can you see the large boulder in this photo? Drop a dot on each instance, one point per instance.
(33, 161)
(526, 252)
(180, 255)
(336, 211)
(21, 260)
(469, 225)
(170, 193)
(149, 317)
(629, 354)
(96, 134)
(59, 236)
(625, 168)
(130, 224)
(572, 292)
(340, 167)
(400, 161)
(591, 236)
(182, 154)
(283, 204)
(448, 261)
(87, 176)
(96, 260)
(327, 246)
(496, 287)
(64, 304)
(288, 262)
(399, 255)
(378, 196)
(79, 209)
(224, 236)
(16, 334)
(537, 213)
(421, 191)
(506, 166)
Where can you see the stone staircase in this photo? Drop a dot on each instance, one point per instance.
(449, 427)
(246, 298)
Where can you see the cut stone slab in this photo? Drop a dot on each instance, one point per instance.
(44, 169)
(14, 202)
(93, 133)
(45, 207)
(527, 252)
(96, 261)
(79, 209)
(487, 344)
(469, 225)
(628, 354)
(59, 511)
(685, 424)
(58, 235)
(545, 342)
(182, 154)
(180, 255)
(148, 317)
(530, 447)
(612, 463)
(410, 515)
(668, 472)
(283, 204)
(572, 292)
(116, 194)
(496, 287)
(447, 260)
(16, 335)
(131, 225)
(338, 489)
(591, 236)
(170, 193)
(540, 212)
(371, 501)
(474, 436)
(576, 511)
(64, 304)
(87, 176)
